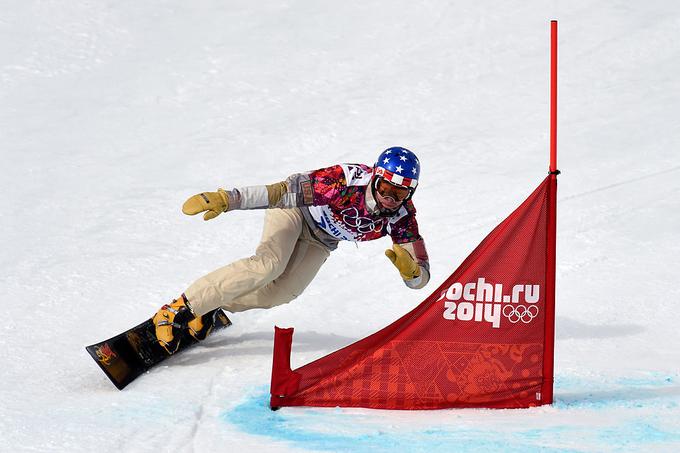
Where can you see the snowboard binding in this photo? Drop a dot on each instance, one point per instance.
(175, 320)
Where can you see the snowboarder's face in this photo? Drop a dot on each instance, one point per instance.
(390, 196)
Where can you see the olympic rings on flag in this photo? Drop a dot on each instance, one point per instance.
(517, 313)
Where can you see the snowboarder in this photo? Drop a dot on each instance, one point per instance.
(307, 215)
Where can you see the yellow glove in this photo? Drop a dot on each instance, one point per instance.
(215, 203)
(402, 260)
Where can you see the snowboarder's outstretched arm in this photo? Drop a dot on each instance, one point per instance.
(293, 192)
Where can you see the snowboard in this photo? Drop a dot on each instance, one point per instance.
(130, 354)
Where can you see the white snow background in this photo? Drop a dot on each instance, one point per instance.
(112, 113)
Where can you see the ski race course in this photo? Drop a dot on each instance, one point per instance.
(112, 114)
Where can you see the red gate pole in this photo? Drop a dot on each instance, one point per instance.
(553, 96)
(549, 339)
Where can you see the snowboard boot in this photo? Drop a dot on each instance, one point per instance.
(170, 322)
(201, 326)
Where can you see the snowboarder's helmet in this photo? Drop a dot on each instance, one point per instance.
(399, 166)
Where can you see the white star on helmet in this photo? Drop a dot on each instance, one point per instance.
(399, 169)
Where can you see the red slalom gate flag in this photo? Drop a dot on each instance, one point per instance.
(484, 338)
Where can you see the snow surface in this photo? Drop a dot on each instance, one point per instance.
(112, 113)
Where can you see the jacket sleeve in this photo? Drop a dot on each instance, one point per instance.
(314, 188)
(295, 191)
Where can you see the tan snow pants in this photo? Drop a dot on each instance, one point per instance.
(284, 263)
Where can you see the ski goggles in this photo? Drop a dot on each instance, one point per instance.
(387, 189)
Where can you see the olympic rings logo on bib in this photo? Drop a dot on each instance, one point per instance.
(363, 225)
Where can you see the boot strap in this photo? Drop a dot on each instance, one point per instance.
(173, 324)
(170, 309)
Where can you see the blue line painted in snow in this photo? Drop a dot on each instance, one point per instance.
(325, 429)
(321, 429)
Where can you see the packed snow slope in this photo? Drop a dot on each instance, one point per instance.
(112, 113)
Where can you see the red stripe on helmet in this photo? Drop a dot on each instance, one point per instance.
(395, 179)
